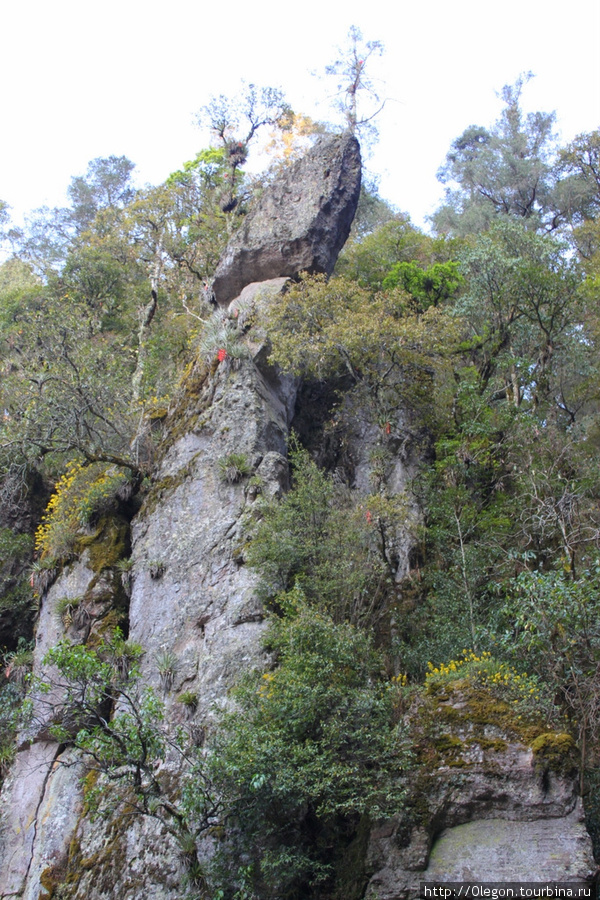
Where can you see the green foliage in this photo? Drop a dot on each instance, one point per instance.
(18, 664)
(356, 97)
(16, 601)
(579, 168)
(67, 380)
(503, 171)
(311, 743)
(125, 746)
(297, 544)
(521, 303)
(369, 259)
(427, 287)
(167, 665)
(528, 695)
(81, 496)
(234, 124)
(14, 683)
(221, 334)
(189, 699)
(65, 609)
(326, 329)
(11, 698)
(234, 467)
(554, 619)
(119, 728)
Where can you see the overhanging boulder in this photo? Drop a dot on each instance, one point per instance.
(300, 223)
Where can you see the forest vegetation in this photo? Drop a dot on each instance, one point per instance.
(479, 341)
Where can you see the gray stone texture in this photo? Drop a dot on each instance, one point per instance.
(473, 811)
(300, 223)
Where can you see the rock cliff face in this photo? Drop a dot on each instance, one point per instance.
(488, 812)
(193, 600)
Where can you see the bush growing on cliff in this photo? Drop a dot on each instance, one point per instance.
(82, 494)
(311, 747)
(393, 356)
(298, 542)
(119, 726)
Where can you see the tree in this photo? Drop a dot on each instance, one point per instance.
(310, 748)
(235, 124)
(100, 708)
(97, 199)
(521, 304)
(356, 97)
(428, 287)
(502, 171)
(296, 544)
(382, 239)
(553, 619)
(579, 165)
(106, 187)
(66, 386)
(391, 355)
(4, 219)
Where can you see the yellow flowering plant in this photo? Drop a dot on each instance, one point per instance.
(81, 494)
(527, 693)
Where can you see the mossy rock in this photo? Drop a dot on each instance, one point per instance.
(165, 487)
(51, 879)
(554, 752)
(108, 544)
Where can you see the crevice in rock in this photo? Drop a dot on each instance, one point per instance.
(59, 751)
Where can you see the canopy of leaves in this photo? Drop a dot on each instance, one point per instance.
(297, 543)
(323, 329)
(502, 171)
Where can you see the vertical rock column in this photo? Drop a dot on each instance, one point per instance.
(193, 599)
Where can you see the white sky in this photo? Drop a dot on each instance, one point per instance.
(81, 80)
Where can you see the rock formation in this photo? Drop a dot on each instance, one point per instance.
(492, 804)
(193, 597)
(300, 223)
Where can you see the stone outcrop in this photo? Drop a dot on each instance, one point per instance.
(193, 600)
(300, 223)
(191, 594)
(490, 802)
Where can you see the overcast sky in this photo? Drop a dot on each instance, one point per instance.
(81, 80)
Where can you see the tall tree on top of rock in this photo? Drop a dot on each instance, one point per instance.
(356, 97)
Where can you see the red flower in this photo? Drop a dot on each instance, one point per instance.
(368, 516)
(222, 354)
(388, 427)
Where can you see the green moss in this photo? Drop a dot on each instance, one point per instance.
(107, 545)
(89, 783)
(447, 742)
(195, 394)
(555, 752)
(453, 721)
(50, 880)
(164, 487)
(473, 707)
(496, 744)
(108, 863)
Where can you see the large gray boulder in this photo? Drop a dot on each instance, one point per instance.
(300, 223)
